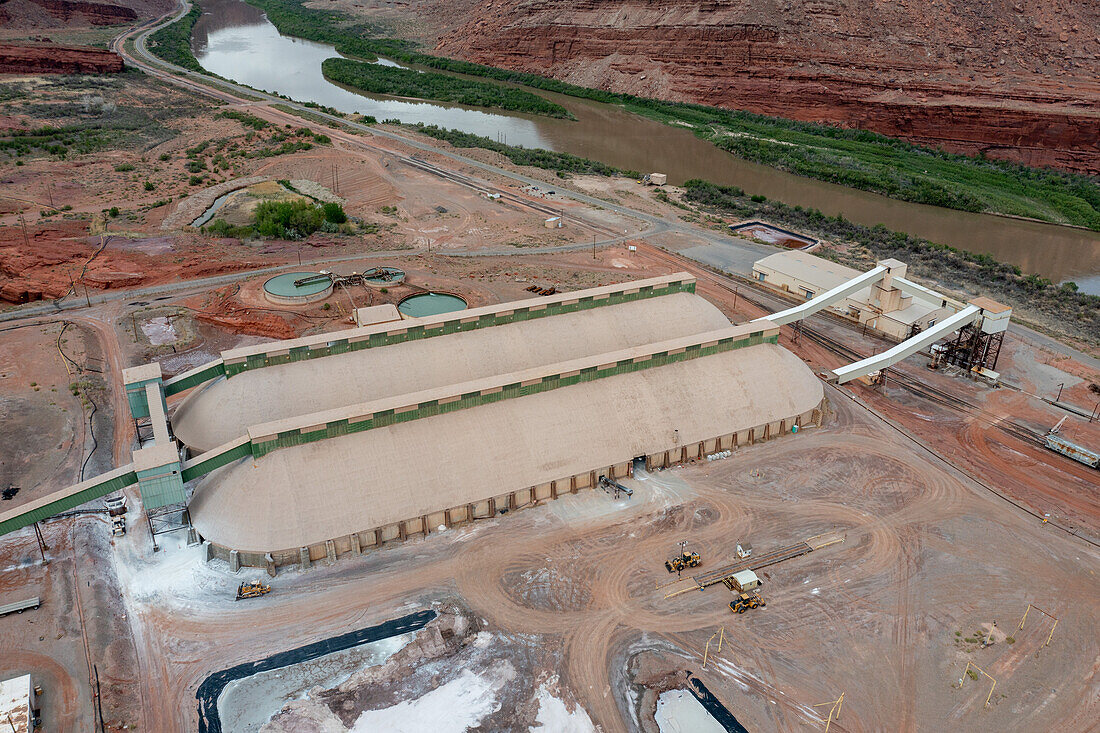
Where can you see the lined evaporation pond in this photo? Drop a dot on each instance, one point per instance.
(430, 304)
(237, 41)
(247, 704)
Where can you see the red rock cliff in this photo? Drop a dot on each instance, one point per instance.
(52, 59)
(1016, 79)
(49, 13)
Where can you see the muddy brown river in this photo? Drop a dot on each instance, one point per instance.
(235, 40)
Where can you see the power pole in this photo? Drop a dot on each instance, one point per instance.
(42, 546)
(23, 224)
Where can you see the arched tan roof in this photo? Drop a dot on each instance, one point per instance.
(223, 410)
(305, 494)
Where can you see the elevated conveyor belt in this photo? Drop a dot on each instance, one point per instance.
(829, 297)
(926, 294)
(67, 498)
(862, 368)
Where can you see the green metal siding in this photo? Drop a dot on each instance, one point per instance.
(162, 490)
(290, 438)
(194, 470)
(68, 502)
(135, 395)
(213, 370)
(413, 333)
(139, 404)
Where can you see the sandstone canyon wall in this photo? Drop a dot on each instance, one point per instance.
(48, 58)
(1014, 79)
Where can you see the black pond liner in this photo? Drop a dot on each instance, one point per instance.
(716, 709)
(211, 688)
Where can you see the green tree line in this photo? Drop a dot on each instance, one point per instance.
(395, 81)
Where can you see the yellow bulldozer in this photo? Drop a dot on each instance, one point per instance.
(744, 601)
(252, 589)
(683, 561)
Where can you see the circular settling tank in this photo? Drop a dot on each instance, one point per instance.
(289, 288)
(384, 276)
(430, 304)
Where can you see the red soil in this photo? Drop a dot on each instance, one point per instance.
(58, 254)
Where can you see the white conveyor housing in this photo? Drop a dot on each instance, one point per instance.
(862, 368)
(929, 296)
(802, 310)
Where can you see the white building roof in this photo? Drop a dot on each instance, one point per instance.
(369, 316)
(912, 313)
(808, 267)
(745, 577)
(16, 704)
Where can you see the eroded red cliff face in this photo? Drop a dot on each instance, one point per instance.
(51, 13)
(48, 58)
(1016, 79)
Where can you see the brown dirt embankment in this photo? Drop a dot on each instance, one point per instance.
(48, 58)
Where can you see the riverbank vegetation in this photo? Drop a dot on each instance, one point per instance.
(399, 82)
(853, 158)
(563, 163)
(173, 42)
(1055, 307)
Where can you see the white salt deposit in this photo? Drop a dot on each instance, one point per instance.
(679, 712)
(455, 707)
(555, 717)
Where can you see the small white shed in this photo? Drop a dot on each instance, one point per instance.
(745, 580)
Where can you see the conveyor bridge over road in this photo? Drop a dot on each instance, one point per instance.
(888, 284)
(758, 562)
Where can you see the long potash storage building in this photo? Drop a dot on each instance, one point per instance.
(443, 420)
(326, 445)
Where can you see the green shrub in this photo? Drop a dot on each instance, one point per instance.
(149, 186)
(287, 219)
(334, 213)
(124, 167)
(113, 211)
(246, 119)
(165, 156)
(194, 180)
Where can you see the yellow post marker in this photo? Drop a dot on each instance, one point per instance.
(1050, 616)
(967, 671)
(706, 651)
(834, 711)
(722, 636)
